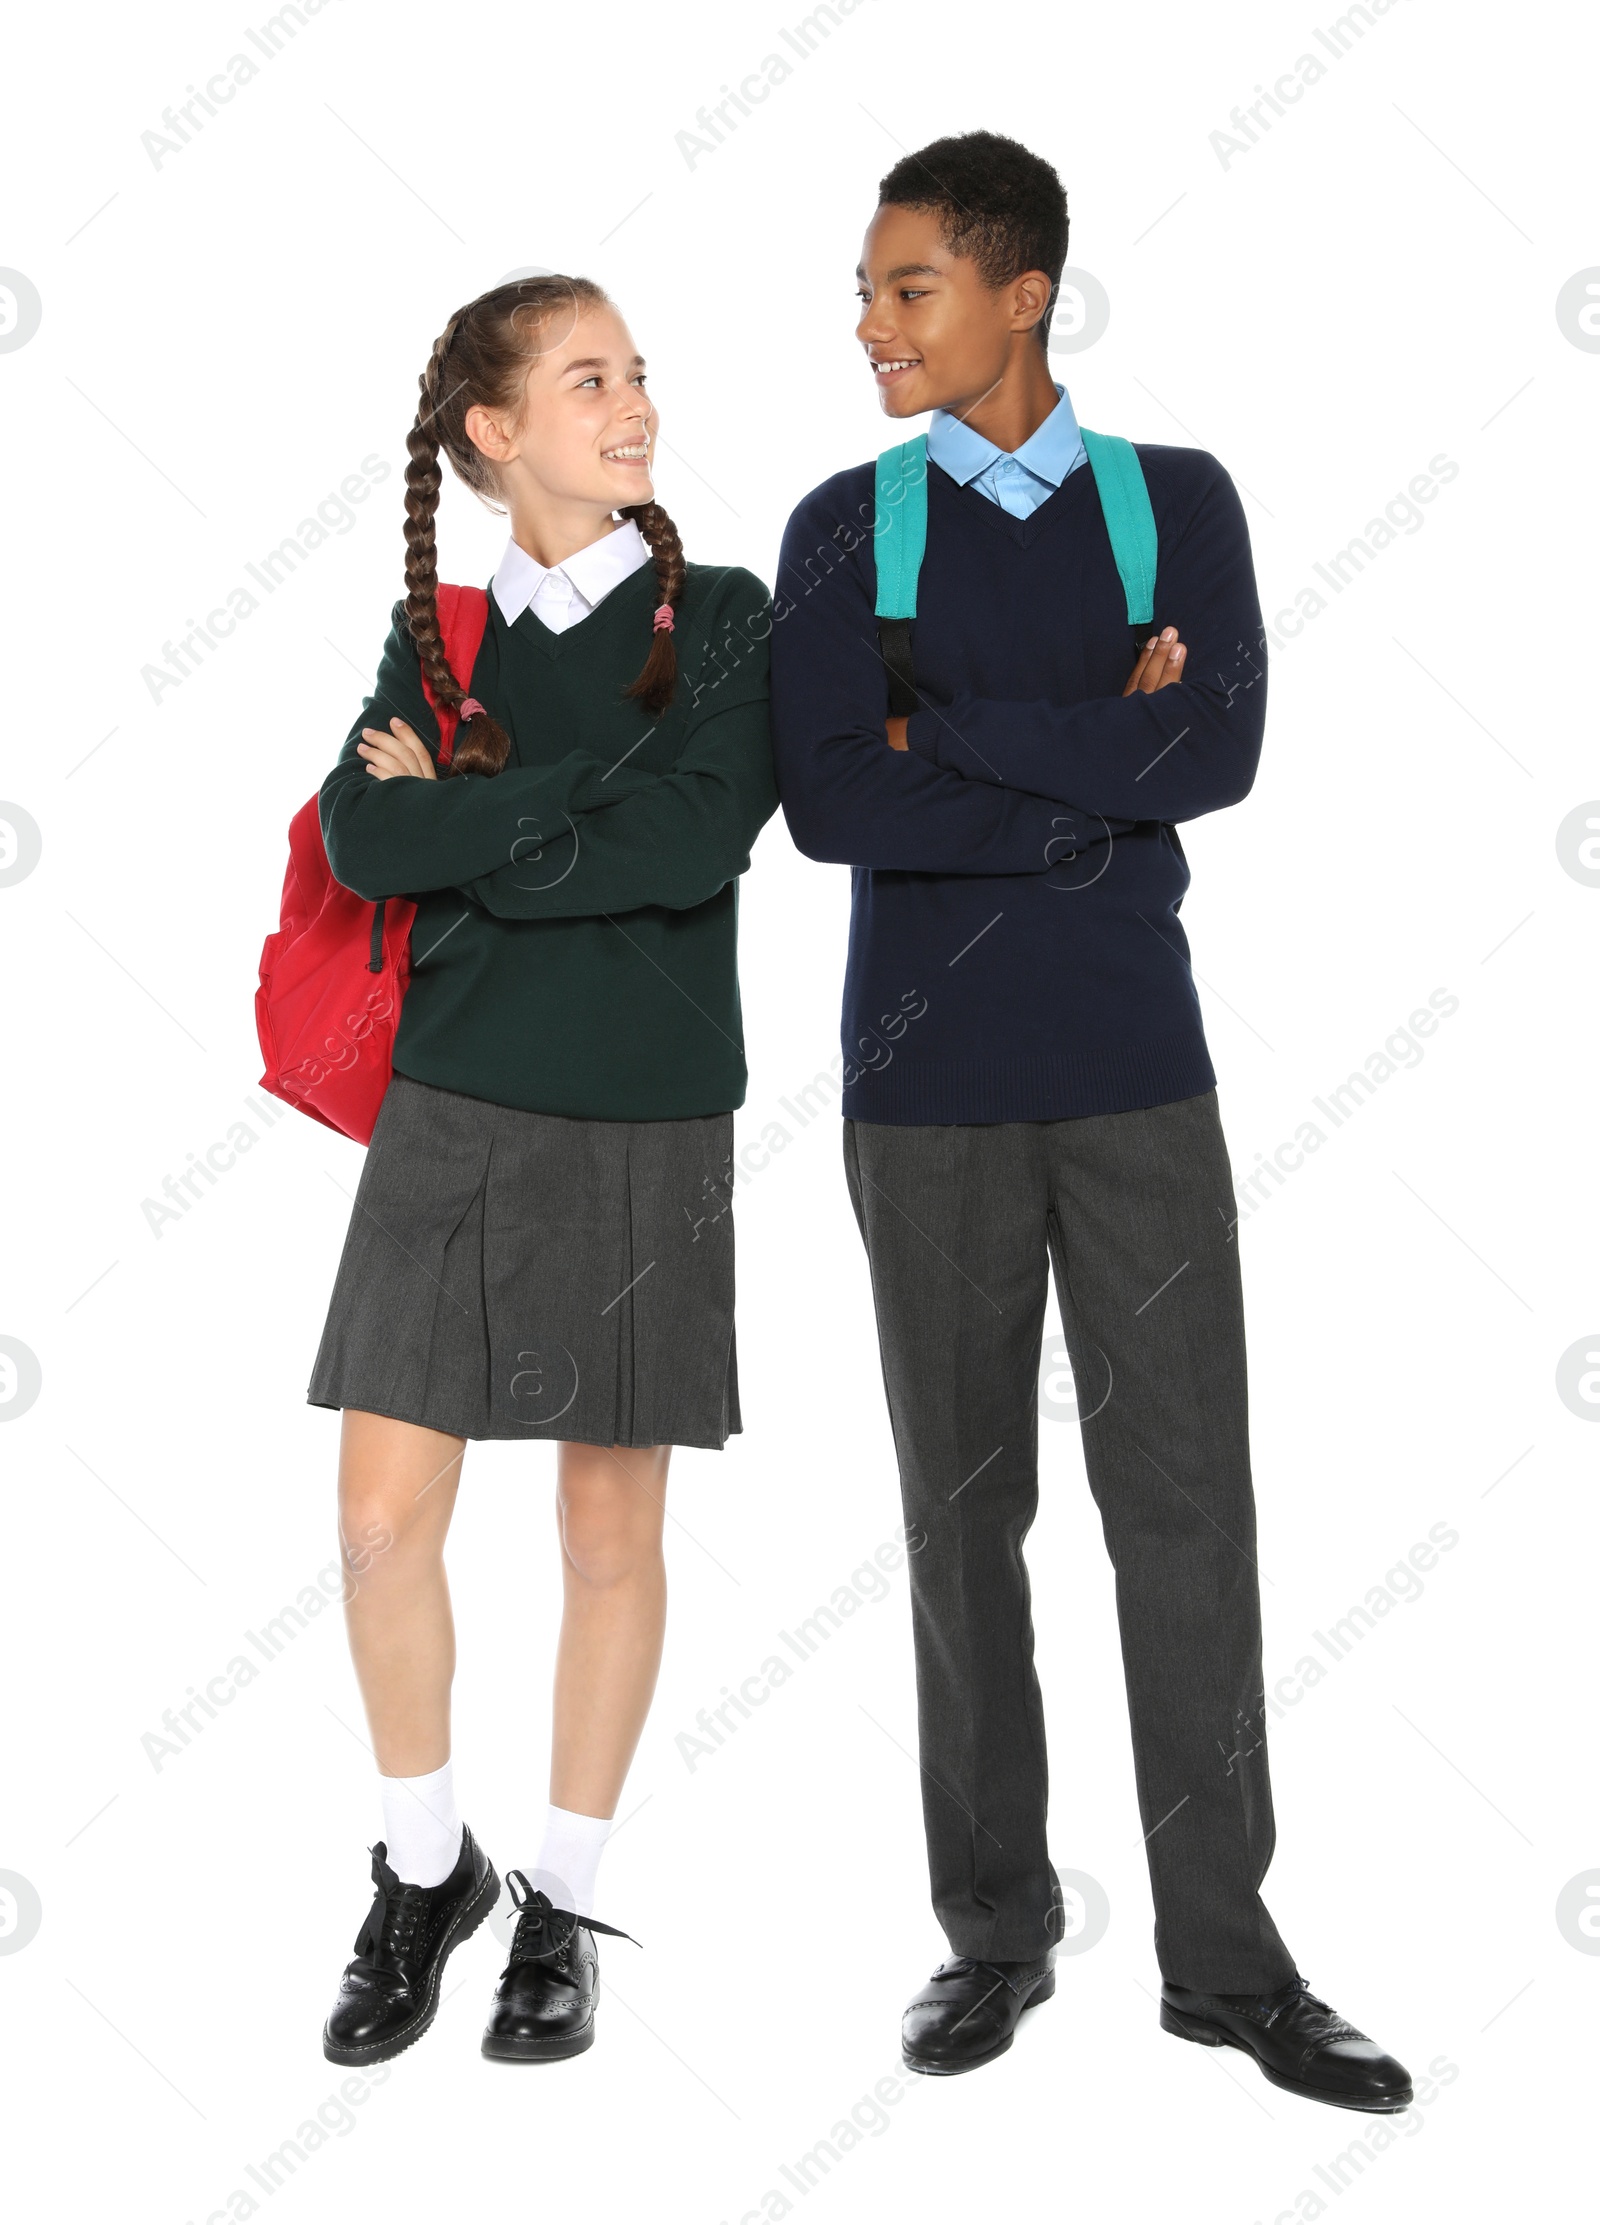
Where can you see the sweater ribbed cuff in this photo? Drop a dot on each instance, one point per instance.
(922, 735)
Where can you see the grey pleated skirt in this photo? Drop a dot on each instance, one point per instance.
(520, 1274)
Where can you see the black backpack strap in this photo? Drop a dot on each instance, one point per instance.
(894, 646)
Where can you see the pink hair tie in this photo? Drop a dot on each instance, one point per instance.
(662, 622)
(470, 707)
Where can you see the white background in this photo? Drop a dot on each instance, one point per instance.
(224, 338)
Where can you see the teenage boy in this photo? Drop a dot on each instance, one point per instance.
(1026, 1084)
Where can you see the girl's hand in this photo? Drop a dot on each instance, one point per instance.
(1160, 663)
(396, 753)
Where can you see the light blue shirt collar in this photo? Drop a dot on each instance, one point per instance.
(1047, 456)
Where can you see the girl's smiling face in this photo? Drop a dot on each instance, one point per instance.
(584, 437)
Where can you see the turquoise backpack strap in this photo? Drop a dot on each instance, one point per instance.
(900, 535)
(1130, 521)
(900, 525)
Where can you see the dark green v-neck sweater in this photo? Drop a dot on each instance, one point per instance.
(574, 945)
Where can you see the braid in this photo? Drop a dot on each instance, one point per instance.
(653, 690)
(481, 360)
(481, 745)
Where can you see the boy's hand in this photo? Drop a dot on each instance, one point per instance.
(897, 734)
(396, 753)
(1160, 663)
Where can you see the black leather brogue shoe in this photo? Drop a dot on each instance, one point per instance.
(1300, 2043)
(543, 2008)
(389, 1994)
(968, 2012)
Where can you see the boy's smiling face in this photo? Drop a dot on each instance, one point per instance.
(937, 336)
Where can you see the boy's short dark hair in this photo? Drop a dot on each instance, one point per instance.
(996, 202)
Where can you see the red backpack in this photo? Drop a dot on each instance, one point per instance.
(334, 975)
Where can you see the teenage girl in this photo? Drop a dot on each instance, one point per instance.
(541, 1244)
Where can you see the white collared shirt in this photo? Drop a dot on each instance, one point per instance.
(563, 593)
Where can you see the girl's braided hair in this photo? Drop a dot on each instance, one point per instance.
(480, 360)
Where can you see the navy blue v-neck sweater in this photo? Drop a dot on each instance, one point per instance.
(1015, 950)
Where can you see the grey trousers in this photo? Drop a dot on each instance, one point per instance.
(1135, 1212)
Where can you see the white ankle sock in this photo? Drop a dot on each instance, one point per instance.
(421, 1827)
(569, 1858)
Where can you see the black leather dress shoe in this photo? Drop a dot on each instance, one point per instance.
(1299, 2042)
(389, 1995)
(968, 2012)
(543, 2008)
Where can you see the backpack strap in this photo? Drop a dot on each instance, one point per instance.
(463, 612)
(463, 618)
(900, 538)
(1130, 521)
(900, 535)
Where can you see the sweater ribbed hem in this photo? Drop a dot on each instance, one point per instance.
(677, 1098)
(1067, 1085)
